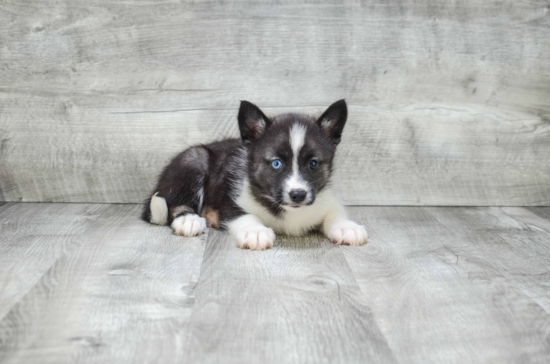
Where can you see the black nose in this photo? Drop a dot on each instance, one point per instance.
(298, 195)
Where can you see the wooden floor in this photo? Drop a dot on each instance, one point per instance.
(93, 283)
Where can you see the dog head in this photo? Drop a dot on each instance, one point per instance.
(290, 156)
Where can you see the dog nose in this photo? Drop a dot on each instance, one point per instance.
(298, 195)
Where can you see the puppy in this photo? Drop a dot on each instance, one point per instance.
(274, 179)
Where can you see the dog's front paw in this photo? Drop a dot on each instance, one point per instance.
(256, 237)
(347, 232)
(189, 225)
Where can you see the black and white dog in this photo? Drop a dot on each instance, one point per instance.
(275, 178)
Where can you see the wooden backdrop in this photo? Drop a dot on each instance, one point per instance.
(449, 100)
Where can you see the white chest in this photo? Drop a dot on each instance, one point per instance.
(295, 222)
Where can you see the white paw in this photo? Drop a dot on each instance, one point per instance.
(347, 232)
(257, 237)
(189, 225)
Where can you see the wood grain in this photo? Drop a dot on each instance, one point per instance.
(124, 295)
(94, 284)
(32, 238)
(519, 240)
(448, 100)
(296, 303)
(456, 284)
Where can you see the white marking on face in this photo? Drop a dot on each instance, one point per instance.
(297, 139)
(295, 180)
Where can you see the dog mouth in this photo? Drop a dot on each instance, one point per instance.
(290, 207)
(279, 204)
(295, 206)
(282, 203)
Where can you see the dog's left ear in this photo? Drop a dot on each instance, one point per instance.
(333, 120)
(252, 122)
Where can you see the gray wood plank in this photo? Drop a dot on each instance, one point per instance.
(124, 295)
(32, 238)
(449, 100)
(517, 243)
(543, 212)
(96, 284)
(295, 303)
(445, 287)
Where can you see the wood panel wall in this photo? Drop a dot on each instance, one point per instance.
(449, 100)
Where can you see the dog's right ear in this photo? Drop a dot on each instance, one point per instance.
(252, 122)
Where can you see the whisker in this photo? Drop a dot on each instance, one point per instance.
(274, 203)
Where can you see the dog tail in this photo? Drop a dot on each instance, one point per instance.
(159, 210)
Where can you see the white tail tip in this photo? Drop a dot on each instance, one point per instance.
(159, 210)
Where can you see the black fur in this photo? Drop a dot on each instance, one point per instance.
(203, 166)
(219, 168)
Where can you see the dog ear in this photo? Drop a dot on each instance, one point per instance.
(252, 122)
(333, 120)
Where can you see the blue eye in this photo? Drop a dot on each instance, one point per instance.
(276, 164)
(313, 164)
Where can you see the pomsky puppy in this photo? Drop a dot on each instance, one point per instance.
(274, 179)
